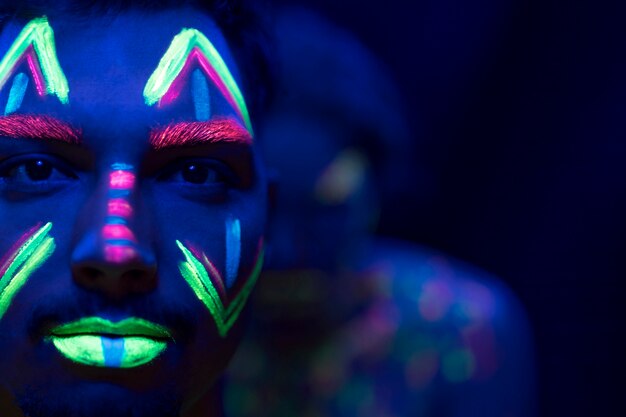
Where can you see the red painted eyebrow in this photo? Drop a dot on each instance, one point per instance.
(227, 130)
(39, 127)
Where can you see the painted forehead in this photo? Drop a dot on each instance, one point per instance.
(168, 61)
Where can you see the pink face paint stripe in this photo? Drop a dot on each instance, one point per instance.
(37, 36)
(121, 180)
(119, 254)
(12, 253)
(40, 83)
(119, 239)
(118, 232)
(214, 273)
(183, 48)
(119, 207)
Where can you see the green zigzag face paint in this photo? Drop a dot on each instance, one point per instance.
(36, 249)
(190, 46)
(35, 44)
(95, 341)
(202, 284)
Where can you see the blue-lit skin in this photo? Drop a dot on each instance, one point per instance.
(107, 62)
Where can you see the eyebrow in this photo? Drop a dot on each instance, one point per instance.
(183, 134)
(40, 127)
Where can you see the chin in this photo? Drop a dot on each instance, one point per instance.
(97, 399)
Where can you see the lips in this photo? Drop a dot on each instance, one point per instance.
(95, 341)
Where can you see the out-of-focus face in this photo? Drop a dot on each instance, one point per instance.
(132, 212)
(323, 202)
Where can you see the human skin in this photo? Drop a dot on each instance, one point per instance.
(120, 212)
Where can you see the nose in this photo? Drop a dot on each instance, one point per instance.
(112, 255)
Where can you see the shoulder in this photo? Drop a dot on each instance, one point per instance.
(467, 314)
(438, 287)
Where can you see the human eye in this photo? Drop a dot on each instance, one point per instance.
(201, 175)
(35, 174)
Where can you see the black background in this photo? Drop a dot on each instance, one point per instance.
(519, 113)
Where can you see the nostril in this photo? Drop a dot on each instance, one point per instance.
(90, 273)
(135, 275)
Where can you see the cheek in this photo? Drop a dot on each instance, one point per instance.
(27, 255)
(223, 278)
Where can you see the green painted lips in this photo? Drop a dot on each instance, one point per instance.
(95, 341)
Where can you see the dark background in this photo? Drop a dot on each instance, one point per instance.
(519, 113)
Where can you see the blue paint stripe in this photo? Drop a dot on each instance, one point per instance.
(16, 94)
(119, 242)
(119, 193)
(113, 349)
(233, 250)
(121, 166)
(115, 220)
(200, 95)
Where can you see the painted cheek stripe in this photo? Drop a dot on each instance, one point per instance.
(16, 94)
(27, 259)
(233, 250)
(35, 43)
(200, 282)
(188, 46)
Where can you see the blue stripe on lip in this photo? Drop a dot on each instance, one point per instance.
(113, 349)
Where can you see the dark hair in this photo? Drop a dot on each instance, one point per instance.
(241, 21)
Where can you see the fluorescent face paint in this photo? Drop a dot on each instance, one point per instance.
(36, 249)
(203, 286)
(95, 341)
(120, 241)
(226, 130)
(119, 207)
(16, 94)
(233, 250)
(201, 97)
(190, 46)
(35, 44)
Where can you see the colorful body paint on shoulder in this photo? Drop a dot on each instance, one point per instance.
(34, 249)
(205, 283)
(35, 45)
(119, 240)
(189, 47)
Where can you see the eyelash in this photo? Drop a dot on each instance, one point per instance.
(15, 175)
(216, 172)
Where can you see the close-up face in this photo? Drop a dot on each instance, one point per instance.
(132, 212)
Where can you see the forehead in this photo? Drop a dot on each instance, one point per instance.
(108, 59)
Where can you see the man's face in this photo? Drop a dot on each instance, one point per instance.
(132, 212)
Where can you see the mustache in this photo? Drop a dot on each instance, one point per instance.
(75, 304)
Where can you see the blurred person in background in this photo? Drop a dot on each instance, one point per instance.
(348, 323)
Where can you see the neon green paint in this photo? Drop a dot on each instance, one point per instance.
(132, 326)
(173, 61)
(198, 279)
(140, 350)
(40, 35)
(30, 256)
(85, 349)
